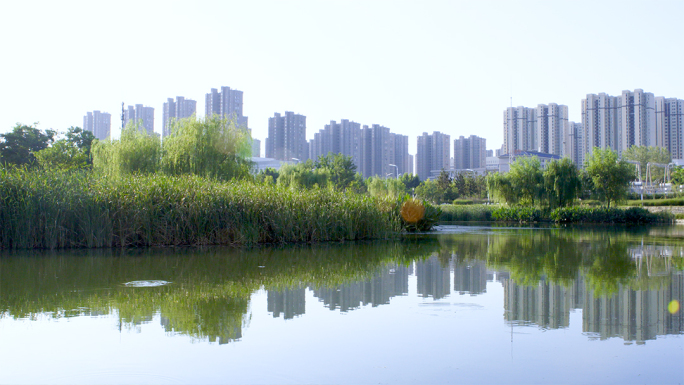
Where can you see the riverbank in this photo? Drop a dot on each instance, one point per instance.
(49, 210)
(575, 214)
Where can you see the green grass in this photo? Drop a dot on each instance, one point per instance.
(456, 213)
(51, 210)
(657, 202)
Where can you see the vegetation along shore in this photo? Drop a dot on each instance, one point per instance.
(199, 188)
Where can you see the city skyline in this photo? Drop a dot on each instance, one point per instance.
(445, 66)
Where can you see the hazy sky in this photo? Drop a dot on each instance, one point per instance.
(412, 66)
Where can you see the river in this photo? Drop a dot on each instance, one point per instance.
(465, 304)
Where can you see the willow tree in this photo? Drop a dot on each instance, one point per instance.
(561, 183)
(212, 147)
(135, 152)
(609, 175)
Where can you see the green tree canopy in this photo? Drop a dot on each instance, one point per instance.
(134, 153)
(340, 167)
(523, 184)
(303, 175)
(430, 191)
(411, 181)
(72, 152)
(213, 147)
(609, 175)
(386, 187)
(561, 183)
(20, 145)
(62, 155)
(81, 139)
(645, 155)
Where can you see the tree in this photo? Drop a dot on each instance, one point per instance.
(341, 168)
(20, 145)
(70, 153)
(561, 183)
(62, 155)
(212, 147)
(134, 153)
(303, 175)
(385, 187)
(82, 139)
(501, 188)
(269, 175)
(645, 155)
(609, 176)
(527, 177)
(678, 176)
(429, 190)
(411, 181)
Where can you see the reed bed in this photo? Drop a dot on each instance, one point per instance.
(475, 212)
(48, 210)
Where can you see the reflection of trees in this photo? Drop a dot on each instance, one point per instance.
(210, 288)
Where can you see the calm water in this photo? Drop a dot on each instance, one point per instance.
(466, 305)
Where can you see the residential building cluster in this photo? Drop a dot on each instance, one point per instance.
(635, 118)
(616, 122)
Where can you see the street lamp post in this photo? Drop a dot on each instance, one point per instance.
(395, 166)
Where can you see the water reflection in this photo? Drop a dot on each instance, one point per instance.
(622, 280)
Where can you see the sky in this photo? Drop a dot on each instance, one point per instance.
(412, 66)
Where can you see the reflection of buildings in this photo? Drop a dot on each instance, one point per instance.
(289, 302)
(545, 304)
(433, 280)
(470, 278)
(635, 315)
(392, 281)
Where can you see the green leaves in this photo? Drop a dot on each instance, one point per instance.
(20, 145)
(609, 176)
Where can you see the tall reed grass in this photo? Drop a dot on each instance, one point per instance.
(49, 209)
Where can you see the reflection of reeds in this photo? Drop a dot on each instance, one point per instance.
(58, 210)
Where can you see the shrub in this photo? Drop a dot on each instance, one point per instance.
(634, 215)
(454, 213)
(518, 214)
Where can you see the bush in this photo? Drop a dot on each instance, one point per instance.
(634, 215)
(518, 214)
(454, 213)
(657, 202)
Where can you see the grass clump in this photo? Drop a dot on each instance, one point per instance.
(51, 209)
(632, 215)
(456, 213)
(657, 202)
(523, 214)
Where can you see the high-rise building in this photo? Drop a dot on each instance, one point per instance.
(539, 129)
(573, 143)
(670, 125)
(256, 148)
(470, 153)
(99, 123)
(519, 129)
(636, 120)
(178, 109)
(619, 122)
(227, 104)
(141, 116)
(551, 121)
(287, 137)
(400, 156)
(338, 138)
(433, 154)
